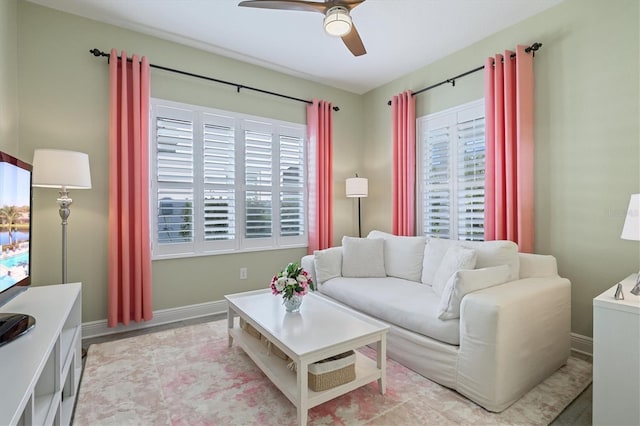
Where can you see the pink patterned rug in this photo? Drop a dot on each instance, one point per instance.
(188, 376)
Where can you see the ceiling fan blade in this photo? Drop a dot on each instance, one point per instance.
(354, 42)
(351, 40)
(349, 4)
(300, 5)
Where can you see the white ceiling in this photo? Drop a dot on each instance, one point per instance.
(400, 35)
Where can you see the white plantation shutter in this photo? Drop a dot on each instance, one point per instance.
(259, 156)
(225, 181)
(292, 184)
(451, 175)
(275, 179)
(437, 181)
(173, 132)
(219, 178)
(470, 176)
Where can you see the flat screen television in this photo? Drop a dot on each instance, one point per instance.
(15, 226)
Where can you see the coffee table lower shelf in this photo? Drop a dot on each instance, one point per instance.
(286, 380)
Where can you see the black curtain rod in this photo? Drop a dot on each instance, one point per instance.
(533, 48)
(97, 52)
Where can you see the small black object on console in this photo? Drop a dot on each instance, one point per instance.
(13, 326)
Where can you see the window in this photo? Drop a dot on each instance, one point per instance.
(451, 159)
(223, 181)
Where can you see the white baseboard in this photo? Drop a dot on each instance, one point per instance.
(582, 344)
(163, 316)
(579, 343)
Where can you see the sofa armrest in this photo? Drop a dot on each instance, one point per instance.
(512, 336)
(308, 264)
(537, 265)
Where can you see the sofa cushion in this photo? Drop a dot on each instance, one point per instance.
(402, 255)
(328, 263)
(363, 257)
(466, 281)
(406, 304)
(434, 251)
(456, 258)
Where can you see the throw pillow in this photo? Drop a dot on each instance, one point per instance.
(464, 282)
(434, 251)
(328, 263)
(379, 234)
(402, 255)
(456, 258)
(496, 253)
(363, 257)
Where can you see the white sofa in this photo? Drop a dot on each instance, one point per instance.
(491, 332)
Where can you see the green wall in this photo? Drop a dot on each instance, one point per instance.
(64, 104)
(587, 139)
(586, 130)
(9, 78)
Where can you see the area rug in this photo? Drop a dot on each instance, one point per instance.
(189, 376)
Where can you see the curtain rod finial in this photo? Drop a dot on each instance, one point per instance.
(97, 52)
(534, 47)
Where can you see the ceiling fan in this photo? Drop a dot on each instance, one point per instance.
(337, 21)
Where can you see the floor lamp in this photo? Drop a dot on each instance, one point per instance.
(357, 187)
(55, 168)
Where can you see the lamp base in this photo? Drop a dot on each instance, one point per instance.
(63, 209)
(636, 288)
(619, 295)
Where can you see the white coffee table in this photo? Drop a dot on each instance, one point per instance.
(320, 330)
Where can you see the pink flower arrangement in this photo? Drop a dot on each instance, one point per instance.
(293, 280)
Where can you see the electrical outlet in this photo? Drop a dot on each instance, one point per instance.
(243, 273)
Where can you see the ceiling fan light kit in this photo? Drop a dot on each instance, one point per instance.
(337, 21)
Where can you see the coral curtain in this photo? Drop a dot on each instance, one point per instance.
(129, 245)
(509, 198)
(320, 181)
(403, 108)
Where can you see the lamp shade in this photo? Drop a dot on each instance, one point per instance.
(337, 21)
(56, 168)
(357, 187)
(631, 229)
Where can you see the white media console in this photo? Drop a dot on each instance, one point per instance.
(40, 371)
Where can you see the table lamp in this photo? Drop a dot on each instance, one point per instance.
(631, 230)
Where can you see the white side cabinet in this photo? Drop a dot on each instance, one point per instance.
(40, 371)
(616, 357)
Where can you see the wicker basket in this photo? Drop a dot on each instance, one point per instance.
(249, 329)
(273, 349)
(332, 372)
